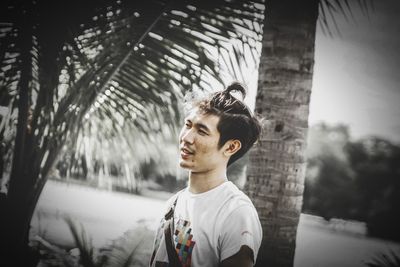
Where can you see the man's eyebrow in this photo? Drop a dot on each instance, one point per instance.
(202, 126)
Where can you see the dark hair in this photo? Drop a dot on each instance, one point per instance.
(236, 119)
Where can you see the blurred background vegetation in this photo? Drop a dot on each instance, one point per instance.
(353, 179)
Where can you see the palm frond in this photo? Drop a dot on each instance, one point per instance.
(329, 11)
(161, 54)
(112, 59)
(123, 251)
(83, 242)
(385, 259)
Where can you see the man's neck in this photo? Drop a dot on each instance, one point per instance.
(201, 182)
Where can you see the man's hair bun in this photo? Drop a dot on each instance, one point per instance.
(236, 86)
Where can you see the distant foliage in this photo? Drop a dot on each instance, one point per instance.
(358, 180)
(127, 250)
(391, 259)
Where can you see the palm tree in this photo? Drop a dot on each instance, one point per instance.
(108, 62)
(276, 169)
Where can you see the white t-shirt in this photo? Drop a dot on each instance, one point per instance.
(210, 227)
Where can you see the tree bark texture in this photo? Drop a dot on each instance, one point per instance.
(276, 172)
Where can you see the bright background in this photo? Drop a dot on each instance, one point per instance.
(356, 75)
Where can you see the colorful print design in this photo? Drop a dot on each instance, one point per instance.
(184, 242)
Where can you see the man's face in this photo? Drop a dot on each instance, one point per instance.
(199, 143)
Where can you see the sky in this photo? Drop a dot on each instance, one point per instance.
(356, 75)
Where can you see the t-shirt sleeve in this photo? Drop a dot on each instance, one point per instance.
(240, 227)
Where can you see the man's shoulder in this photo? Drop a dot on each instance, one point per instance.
(236, 194)
(234, 197)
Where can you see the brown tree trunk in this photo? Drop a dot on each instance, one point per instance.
(275, 175)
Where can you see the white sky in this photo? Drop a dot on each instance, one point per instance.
(356, 76)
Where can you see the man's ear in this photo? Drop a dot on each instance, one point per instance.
(231, 147)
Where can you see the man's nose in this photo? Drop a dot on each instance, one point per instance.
(187, 136)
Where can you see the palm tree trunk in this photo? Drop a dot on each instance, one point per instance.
(15, 224)
(275, 175)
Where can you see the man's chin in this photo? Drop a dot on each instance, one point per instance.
(184, 165)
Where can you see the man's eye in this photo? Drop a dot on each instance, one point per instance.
(202, 132)
(187, 125)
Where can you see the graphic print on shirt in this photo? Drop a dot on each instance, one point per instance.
(183, 238)
(184, 242)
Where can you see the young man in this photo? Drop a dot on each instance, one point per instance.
(211, 222)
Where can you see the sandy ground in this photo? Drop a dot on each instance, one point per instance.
(106, 216)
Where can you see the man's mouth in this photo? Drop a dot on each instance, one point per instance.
(186, 152)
